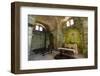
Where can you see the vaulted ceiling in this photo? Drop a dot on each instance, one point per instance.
(51, 21)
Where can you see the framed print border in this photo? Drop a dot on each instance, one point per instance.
(15, 37)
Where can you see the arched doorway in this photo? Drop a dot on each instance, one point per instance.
(41, 39)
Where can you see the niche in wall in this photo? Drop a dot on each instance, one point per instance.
(75, 32)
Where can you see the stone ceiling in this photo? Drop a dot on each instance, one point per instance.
(51, 21)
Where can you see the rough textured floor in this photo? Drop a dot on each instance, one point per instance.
(48, 56)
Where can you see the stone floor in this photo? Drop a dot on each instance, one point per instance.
(48, 56)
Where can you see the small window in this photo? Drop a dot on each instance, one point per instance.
(70, 23)
(41, 29)
(37, 27)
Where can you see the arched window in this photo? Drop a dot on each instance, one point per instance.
(39, 27)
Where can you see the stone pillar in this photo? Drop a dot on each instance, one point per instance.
(59, 33)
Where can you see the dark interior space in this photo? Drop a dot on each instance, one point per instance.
(57, 37)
